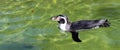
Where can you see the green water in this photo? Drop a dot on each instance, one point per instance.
(26, 24)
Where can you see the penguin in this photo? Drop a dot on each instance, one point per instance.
(73, 27)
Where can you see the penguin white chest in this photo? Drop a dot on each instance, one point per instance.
(63, 27)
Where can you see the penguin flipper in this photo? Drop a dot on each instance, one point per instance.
(75, 36)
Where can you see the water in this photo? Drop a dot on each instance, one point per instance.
(26, 24)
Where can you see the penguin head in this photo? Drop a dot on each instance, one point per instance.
(59, 18)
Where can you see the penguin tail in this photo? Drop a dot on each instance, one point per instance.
(105, 23)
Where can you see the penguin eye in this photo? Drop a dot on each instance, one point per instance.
(62, 21)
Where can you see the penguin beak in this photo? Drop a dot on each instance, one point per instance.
(56, 18)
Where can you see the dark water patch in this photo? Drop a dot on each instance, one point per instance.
(18, 46)
(29, 46)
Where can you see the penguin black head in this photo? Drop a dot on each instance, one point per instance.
(60, 18)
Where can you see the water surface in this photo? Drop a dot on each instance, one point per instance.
(26, 24)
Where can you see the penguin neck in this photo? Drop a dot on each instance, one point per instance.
(64, 25)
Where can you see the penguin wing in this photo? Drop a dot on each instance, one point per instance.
(84, 24)
(75, 36)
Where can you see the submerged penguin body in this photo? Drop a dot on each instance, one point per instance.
(66, 25)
